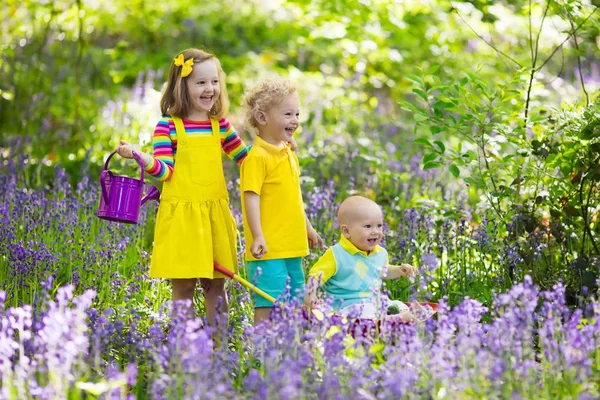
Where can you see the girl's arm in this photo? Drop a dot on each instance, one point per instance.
(258, 248)
(161, 165)
(231, 143)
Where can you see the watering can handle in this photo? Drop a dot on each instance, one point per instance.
(137, 157)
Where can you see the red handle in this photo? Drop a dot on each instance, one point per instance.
(223, 270)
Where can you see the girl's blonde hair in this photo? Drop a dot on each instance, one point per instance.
(265, 95)
(175, 100)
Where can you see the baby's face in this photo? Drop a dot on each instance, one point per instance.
(364, 228)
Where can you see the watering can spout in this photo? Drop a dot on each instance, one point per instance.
(152, 194)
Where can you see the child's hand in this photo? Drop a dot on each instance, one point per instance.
(293, 144)
(126, 150)
(314, 239)
(259, 247)
(408, 270)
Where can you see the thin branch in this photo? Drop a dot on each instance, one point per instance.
(587, 97)
(80, 44)
(482, 38)
(537, 39)
(568, 37)
(530, 32)
(534, 59)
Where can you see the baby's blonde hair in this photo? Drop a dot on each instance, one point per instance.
(265, 95)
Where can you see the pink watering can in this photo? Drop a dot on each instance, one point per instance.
(122, 196)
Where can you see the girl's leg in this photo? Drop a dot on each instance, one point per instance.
(183, 289)
(213, 290)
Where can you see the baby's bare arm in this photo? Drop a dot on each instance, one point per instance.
(397, 271)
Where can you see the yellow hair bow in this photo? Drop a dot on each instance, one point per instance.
(186, 67)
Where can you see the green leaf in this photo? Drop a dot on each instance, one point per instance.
(431, 165)
(416, 79)
(408, 106)
(421, 94)
(454, 170)
(478, 183)
(423, 141)
(430, 157)
(441, 146)
(435, 129)
(433, 69)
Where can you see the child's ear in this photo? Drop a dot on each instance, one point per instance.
(345, 231)
(260, 117)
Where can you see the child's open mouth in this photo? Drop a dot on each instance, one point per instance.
(206, 99)
(372, 241)
(290, 131)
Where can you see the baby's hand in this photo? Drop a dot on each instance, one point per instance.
(408, 270)
(126, 150)
(259, 247)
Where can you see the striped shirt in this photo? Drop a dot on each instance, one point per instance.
(164, 142)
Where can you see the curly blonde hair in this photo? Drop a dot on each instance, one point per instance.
(265, 95)
(175, 100)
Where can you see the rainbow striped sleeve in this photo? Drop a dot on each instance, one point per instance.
(231, 143)
(161, 167)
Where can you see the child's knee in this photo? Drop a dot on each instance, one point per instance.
(184, 286)
(212, 286)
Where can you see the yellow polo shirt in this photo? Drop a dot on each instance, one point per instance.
(273, 172)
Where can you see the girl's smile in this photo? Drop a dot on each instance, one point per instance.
(203, 89)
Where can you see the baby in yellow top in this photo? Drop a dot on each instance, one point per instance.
(351, 272)
(276, 229)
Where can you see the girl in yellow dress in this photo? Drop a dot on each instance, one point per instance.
(194, 225)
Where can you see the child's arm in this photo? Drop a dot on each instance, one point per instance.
(397, 271)
(160, 166)
(258, 248)
(231, 143)
(312, 286)
(126, 150)
(319, 273)
(314, 239)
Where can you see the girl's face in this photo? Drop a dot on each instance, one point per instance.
(281, 121)
(203, 89)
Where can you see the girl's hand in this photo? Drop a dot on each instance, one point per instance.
(126, 150)
(259, 247)
(314, 239)
(408, 270)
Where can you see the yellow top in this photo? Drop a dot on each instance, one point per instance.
(194, 226)
(273, 172)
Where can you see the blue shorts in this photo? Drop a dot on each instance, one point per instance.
(274, 277)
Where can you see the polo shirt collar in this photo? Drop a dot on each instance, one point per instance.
(352, 249)
(271, 148)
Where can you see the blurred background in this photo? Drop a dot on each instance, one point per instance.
(77, 75)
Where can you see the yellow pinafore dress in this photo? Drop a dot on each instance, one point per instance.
(194, 225)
